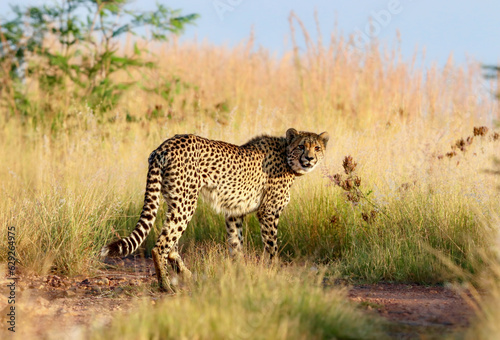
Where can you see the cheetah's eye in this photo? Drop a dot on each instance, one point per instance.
(301, 147)
(317, 148)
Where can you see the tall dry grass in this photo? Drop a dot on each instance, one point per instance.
(73, 177)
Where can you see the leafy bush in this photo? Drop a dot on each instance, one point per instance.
(75, 45)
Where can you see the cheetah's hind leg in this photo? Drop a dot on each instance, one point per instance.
(177, 264)
(161, 271)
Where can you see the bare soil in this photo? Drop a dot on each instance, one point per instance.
(416, 311)
(66, 306)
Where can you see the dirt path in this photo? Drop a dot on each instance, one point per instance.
(68, 305)
(415, 311)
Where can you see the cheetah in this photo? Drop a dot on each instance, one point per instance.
(235, 180)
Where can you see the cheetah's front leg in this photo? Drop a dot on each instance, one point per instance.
(269, 231)
(269, 214)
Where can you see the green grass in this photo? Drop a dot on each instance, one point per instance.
(231, 300)
(72, 179)
(487, 323)
(67, 214)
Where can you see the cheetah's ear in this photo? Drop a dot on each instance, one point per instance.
(325, 137)
(291, 134)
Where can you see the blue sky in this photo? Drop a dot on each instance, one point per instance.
(469, 30)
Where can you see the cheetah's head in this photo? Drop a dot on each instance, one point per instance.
(305, 150)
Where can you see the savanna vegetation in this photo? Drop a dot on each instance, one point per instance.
(409, 191)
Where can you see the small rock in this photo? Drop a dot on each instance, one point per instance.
(119, 278)
(134, 283)
(103, 281)
(54, 281)
(96, 290)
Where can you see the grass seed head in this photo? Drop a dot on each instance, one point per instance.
(369, 217)
(334, 220)
(460, 143)
(480, 131)
(404, 186)
(347, 185)
(352, 197)
(337, 179)
(349, 164)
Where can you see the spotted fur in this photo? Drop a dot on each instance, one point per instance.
(236, 180)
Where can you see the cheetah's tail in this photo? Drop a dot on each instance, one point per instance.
(129, 244)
